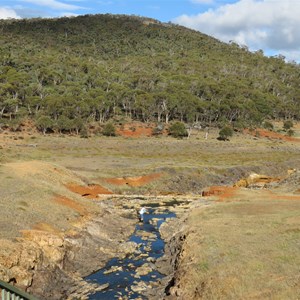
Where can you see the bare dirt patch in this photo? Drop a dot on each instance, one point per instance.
(259, 132)
(134, 181)
(91, 191)
(135, 130)
(224, 193)
(71, 204)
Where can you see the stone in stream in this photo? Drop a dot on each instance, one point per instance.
(113, 269)
(154, 221)
(151, 259)
(145, 235)
(144, 269)
(128, 247)
(139, 287)
(147, 248)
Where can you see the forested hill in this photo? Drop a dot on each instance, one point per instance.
(94, 68)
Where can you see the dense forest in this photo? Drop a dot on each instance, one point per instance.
(66, 73)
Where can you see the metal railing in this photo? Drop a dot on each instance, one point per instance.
(9, 292)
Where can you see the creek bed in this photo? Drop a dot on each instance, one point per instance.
(129, 277)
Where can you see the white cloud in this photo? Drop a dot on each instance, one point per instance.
(202, 1)
(53, 4)
(68, 14)
(7, 13)
(259, 24)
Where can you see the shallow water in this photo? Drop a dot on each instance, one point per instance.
(121, 280)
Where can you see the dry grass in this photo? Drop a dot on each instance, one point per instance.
(29, 193)
(243, 250)
(101, 157)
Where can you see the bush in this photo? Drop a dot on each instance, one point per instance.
(290, 132)
(44, 123)
(84, 133)
(288, 125)
(109, 130)
(225, 133)
(158, 129)
(268, 125)
(63, 124)
(178, 130)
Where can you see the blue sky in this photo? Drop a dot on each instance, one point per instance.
(269, 25)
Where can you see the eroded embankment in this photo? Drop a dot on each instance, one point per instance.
(244, 246)
(51, 266)
(50, 236)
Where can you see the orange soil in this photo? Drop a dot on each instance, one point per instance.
(134, 130)
(71, 204)
(271, 134)
(90, 192)
(274, 196)
(133, 181)
(224, 193)
(228, 193)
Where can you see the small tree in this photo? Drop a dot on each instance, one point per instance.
(178, 130)
(287, 125)
(109, 130)
(268, 125)
(63, 124)
(225, 133)
(290, 132)
(44, 123)
(78, 125)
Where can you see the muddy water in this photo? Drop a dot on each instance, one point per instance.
(128, 277)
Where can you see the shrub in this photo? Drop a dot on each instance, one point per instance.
(268, 125)
(288, 125)
(290, 132)
(158, 129)
(225, 133)
(109, 130)
(178, 130)
(44, 123)
(84, 133)
(63, 124)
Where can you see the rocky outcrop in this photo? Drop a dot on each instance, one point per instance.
(256, 181)
(51, 265)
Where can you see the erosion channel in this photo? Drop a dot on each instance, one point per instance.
(131, 276)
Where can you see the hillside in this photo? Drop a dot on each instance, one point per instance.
(66, 73)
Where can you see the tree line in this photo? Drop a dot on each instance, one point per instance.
(69, 72)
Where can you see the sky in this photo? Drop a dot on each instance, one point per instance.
(268, 25)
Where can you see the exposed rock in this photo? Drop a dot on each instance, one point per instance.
(128, 248)
(51, 265)
(144, 269)
(256, 180)
(113, 269)
(139, 287)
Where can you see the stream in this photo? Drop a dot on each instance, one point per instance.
(129, 277)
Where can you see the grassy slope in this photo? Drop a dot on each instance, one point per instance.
(242, 250)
